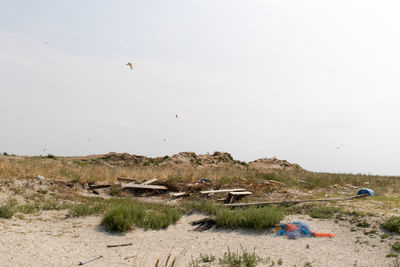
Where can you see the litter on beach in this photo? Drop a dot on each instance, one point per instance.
(296, 230)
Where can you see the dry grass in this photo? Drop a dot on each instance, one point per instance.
(71, 169)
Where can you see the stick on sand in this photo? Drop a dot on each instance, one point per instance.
(89, 260)
(120, 245)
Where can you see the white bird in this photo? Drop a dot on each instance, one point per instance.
(340, 146)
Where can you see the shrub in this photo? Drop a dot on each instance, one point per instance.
(160, 219)
(392, 224)
(51, 156)
(123, 215)
(6, 211)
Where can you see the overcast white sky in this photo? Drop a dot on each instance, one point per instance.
(291, 79)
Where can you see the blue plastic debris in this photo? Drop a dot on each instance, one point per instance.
(367, 191)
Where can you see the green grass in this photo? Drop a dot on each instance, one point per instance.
(239, 259)
(396, 246)
(86, 209)
(257, 218)
(323, 212)
(122, 215)
(392, 224)
(6, 211)
(115, 191)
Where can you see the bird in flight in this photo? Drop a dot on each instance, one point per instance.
(340, 146)
(176, 115)
(129, 64)
(165, 139)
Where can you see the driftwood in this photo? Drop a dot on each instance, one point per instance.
(152, 181)
(180, 194)
(89, 260)
(203, 224)
(119, 245)
(291, 202)
(274, 182)
(222, 191)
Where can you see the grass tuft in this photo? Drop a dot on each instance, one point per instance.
(392, 224)
(258, 218)
(6, 211)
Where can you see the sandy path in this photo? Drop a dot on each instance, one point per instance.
(50, 241)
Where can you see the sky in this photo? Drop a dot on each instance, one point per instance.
(290, 79)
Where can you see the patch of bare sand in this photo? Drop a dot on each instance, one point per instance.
(52, 240)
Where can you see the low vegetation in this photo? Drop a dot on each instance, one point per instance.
(257, 218)
(6, 211)
(121, 216)
(392, 224)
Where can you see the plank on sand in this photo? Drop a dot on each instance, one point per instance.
(222, 191)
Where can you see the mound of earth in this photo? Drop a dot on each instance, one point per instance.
(192, 160)
(268, 164)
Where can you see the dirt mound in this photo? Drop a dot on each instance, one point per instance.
(182, 159)
(270, 164)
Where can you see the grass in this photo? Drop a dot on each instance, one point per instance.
(86, 209)
(257, 218)
(238, 259)
(323, 212)
(6, 211)
(122, 215)
(97, 170)
(396, 246)
(392, 224)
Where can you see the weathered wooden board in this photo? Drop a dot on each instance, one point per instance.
(222, 191)
(152, 181)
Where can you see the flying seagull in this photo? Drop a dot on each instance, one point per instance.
(340, 146)
(176, 115)
(129, 64)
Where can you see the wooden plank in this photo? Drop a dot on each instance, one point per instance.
(119, 245)
(274, 182)
(222, 191)
(140, 186)
(240, 193)
(152, 181)
(126, 179)
(290, 202)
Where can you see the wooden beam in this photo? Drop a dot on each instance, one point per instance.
(290, 202)
(140, 186)
(152, 181)
(222, 191)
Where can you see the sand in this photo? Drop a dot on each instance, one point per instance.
(53, 240)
